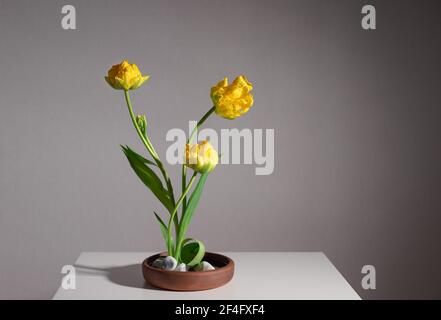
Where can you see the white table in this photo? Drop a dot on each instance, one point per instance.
(258, 275)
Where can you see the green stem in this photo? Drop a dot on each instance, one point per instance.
(184, 168)
(147, 143)
(138, 129)
(200, 122)
(173, 215)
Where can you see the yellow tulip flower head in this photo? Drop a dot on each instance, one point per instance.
(125, 76)
(201, 157)
(232, 101)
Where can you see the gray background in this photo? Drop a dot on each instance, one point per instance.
(355, 113)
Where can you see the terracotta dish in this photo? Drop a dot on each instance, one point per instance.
(191, 280)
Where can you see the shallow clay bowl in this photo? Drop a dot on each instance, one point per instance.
(191, 280)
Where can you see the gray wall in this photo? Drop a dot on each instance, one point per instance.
(356, 118)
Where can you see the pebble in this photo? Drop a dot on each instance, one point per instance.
(182, 267)
(158, 263)
(204, 266)
(169, 263)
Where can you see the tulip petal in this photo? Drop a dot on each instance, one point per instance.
(232, 101)
(125, 76)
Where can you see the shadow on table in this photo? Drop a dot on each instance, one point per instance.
(128, 276)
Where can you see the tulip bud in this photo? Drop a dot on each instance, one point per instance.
(125, 76)
(141, 121)
(201, 157)
(232, 101)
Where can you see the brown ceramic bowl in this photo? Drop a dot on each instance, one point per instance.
(191, 280)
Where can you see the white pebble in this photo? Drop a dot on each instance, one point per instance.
(170, 263)
(182, 267)
(204, 266)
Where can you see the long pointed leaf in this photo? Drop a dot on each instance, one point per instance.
(192, 204)
(149, 178)
(138, 156)
(163, 228)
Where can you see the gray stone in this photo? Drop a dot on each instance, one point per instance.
(158, 263)
(170, 263)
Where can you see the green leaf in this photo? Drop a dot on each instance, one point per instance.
(138, 156)
(162, 226)
(192, 204)
(193, 251)
(148, 177)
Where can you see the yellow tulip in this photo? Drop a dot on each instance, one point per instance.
(125, 76)
(232, 101)
(201, 157)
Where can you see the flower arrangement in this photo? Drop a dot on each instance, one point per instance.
(230, 101)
